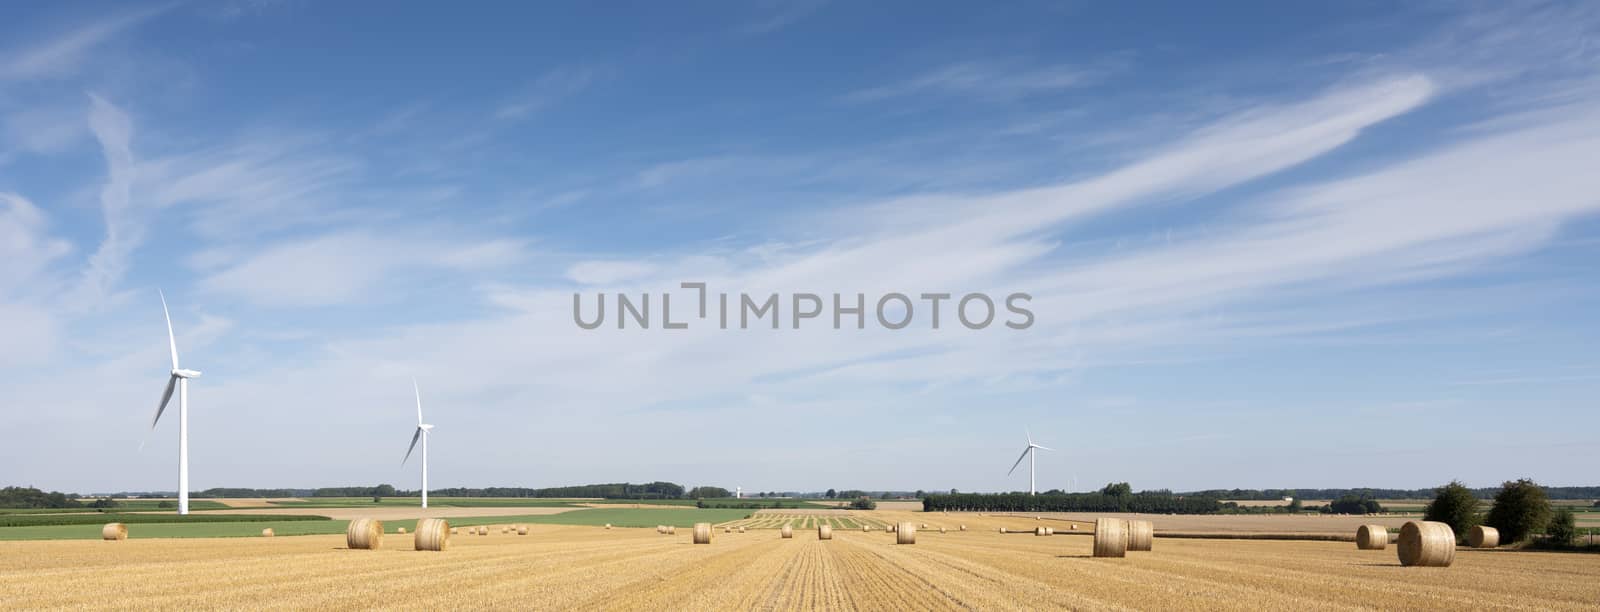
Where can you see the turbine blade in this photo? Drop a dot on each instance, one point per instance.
(1019, 460)
(419, 400)
(1043, 447)
(172, 341)
(1030, 436)
(414, 438)
(165, 398)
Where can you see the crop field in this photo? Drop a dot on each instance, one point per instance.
(224, 525)
(564, 567)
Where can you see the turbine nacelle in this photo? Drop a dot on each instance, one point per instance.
(182, 373)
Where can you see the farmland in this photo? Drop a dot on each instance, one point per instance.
(575, 566)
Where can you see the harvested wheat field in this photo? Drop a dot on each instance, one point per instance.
(591, 567)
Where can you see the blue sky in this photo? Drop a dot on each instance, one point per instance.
(1269, 245)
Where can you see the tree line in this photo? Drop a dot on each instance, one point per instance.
(1370, 493)
(1521, 511)
(1147, 502)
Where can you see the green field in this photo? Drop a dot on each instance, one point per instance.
(132, 505)
(227, 526)
(445, 502)
(40, 520)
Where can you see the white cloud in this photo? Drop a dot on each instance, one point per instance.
(25, 246)
(608, 272)
(984, 80)
(44, 131)
(349, 267)
(548, 89)
(779, 14)
(63, 55)
(124, 226)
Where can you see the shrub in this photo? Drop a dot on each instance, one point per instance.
(1453, 505)
(1563, 528)
(1520, 510)
(863, 503)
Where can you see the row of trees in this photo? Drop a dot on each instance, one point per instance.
(1073, 502)
(1370, 493)
(29, 497)
(1520, 511)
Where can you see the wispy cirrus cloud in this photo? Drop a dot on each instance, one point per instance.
(985, 80)
(350, 267)
(549, 89)
(779, 14)
(62, 55)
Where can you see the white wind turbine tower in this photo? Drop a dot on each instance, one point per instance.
(422, 433)
(180, 380)
(1027, 453)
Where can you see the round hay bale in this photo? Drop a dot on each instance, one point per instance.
(865, 528)
(702, 533)
(1372, 537)
(452, 531)
(963, 528)
(941, 530)
(727, 529)
(114, 531)
(1427, 544)
(924, 525)
(1483, 537)
(905, 533)
(1110, 537)
(1049, 530)
(1002, 530)
(890, 529)
(824, 532)
(432, 534)
(522, 530)
(787, 531)
(1039, 531)
(608, 525)
(672, 530)
(741, 529)
(401, 531)
(661, 529)
(267, 533)
(483, 530)
(1141, 535)
(1073, 527)
(364, 534)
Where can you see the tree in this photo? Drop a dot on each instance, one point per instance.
(1453, 505)
(1295, 506)
(831, 494)
(920, 494)
(1117, 489)
(1520, 509)
(864, 504)
(1563, 528)
(1352, 504)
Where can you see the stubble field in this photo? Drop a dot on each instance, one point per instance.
(565, 567)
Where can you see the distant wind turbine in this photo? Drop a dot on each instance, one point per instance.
(1027, 453)
(422, 433)
(179, 380)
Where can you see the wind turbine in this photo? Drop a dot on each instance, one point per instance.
(180, 380)
(1027, 453)
(422, 433)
